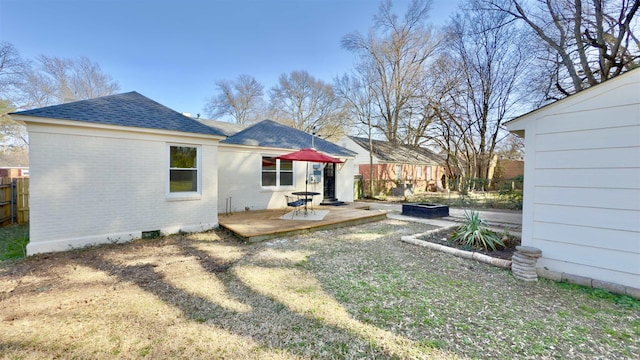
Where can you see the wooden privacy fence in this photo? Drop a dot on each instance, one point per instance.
(14, 201)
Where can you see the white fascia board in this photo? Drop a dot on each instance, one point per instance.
(25, 119)
(520, 122)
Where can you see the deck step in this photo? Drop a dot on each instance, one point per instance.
(332, 202)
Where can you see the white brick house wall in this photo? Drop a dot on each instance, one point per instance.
(240, 170)
(98, 183)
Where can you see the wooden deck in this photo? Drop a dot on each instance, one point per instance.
(254, 226)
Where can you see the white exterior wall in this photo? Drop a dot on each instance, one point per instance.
(362, 155)
(92, 186)
(344, 180)
(240, 175)
(582, 182)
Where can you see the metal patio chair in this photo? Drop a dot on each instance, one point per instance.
(296, 204)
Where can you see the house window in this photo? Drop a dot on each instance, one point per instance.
(276, 172)
(428, 172)
(419, 172)
(398, 172)
(184, 169)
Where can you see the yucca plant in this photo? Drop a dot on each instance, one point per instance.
(473, 233)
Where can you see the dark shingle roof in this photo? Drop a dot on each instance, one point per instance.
(226, 128)
(399, 153)
(268, 133)
(128, 109)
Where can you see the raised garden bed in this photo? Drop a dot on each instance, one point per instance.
(441, 237)
(437, 240)
(425, 210)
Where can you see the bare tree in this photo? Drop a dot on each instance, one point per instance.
(12, 68)
(53, 80)
(13, 155)
(356, 93)
(13, 136)
(64, 80)
(512, 147)
(47, 81)
(35, 90)
(477, 92)
(434, 93)
(492, 62)
(395, 52)
(88, 81)
(306, 104)
(585, 42)
(241, 99)
(448, 132)
(355, 90)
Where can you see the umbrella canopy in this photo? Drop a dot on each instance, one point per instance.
(308, 154)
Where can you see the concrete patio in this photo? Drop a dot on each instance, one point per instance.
(510, 219)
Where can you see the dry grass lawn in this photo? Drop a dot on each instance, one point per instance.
(356, 292)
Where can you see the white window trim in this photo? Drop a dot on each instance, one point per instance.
(184, 195)
(278, 186)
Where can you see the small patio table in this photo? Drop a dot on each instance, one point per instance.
(306, 195)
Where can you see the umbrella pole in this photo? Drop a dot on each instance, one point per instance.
(306, 188)
(306, 177)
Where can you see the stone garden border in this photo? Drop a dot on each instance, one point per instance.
(413, 239)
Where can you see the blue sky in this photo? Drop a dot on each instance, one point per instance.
(175, 51)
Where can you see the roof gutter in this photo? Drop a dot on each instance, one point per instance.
(26, 119)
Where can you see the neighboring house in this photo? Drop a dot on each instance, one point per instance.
(396, 166)
(115, 168)
(14, 171)
(582, 184)
(507, 169)
(506, 172)
(226, 128)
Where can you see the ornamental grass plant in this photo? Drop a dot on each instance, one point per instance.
(473, 233)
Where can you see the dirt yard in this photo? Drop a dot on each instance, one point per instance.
(351, 293)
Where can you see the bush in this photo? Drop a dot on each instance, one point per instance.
(513, 197)
(14, 241)
(473, 233)
(511, 191)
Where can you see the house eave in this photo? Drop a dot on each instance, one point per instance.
(518, 133)
(409, 163)
(518, 123)
(271, 149)
(25, 120)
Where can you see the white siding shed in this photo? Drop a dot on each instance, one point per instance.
(582, 183)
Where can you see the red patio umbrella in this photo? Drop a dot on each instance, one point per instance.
(309, 154)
